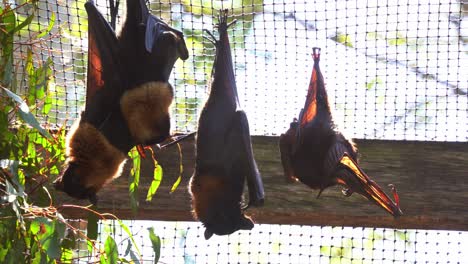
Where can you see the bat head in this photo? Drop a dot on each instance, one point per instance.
(355, 180)
(71, 183)
(223, 224)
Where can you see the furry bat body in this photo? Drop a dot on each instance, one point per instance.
(127, 97)
(315, 153)
(224, 157)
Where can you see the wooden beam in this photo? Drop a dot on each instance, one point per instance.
(431, 178)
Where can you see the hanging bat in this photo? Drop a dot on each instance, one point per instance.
(224, 157)
(315, 153)
(126, 88)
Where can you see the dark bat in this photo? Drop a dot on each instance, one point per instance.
(224, 157)
(126, 88)
(315, 153)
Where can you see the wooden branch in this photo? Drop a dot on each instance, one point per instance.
(431, 178)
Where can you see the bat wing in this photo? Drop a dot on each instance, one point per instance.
(316, 86)
(316, 108)
(286, 143)
(245, 161)
(104, 82)
(346, 171)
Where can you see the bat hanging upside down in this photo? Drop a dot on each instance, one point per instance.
(224, 157)
(127, 97)
(315, 153)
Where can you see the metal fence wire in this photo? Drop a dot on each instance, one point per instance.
(394, 70)
(183, 242)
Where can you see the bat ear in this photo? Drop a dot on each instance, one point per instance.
(208, 234)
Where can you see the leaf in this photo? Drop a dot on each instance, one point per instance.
(344, 39)
(92, 225)
(134, 179)
(112, 253)
(134, 257)
(23, 23)
(157, 176)
(47, 236)
(25, 114)
(156, 243)
(130, 235)
(67, 255)
(181, 170)
(127, 250)
(49, 27)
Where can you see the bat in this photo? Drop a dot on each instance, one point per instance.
(224, 157)
(127, 97)
(314, 152)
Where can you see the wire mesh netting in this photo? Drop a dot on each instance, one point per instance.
(394, 70)
(183, 242)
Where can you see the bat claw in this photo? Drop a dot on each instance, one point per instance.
(395, 195)
(212, 39)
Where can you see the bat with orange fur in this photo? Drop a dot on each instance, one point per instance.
(314, 152)
(224, 156)
(127, 97)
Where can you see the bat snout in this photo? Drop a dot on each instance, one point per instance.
(70, 183)
(227, 225)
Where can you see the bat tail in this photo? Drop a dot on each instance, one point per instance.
(146, 110)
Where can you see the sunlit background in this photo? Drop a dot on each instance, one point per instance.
(394, 70)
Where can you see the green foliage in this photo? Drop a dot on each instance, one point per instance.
(205, 7)
(344, 39)
(31, 227)
(157, 177)
(156, 243)
(134, 179)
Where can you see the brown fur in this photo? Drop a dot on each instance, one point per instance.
(204, 190)
(144, 107)
(98, 161)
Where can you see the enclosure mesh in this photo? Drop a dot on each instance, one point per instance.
(183, 242)
(393, 69)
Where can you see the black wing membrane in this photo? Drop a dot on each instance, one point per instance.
(127, 99)
(314, 152)
(224, 159)
(105, 82)
(246, 160)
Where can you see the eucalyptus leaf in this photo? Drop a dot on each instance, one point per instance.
(25, 114)
(134, 179)
(157, 177)
(49, 27)
(156, 244)
(112, 253)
